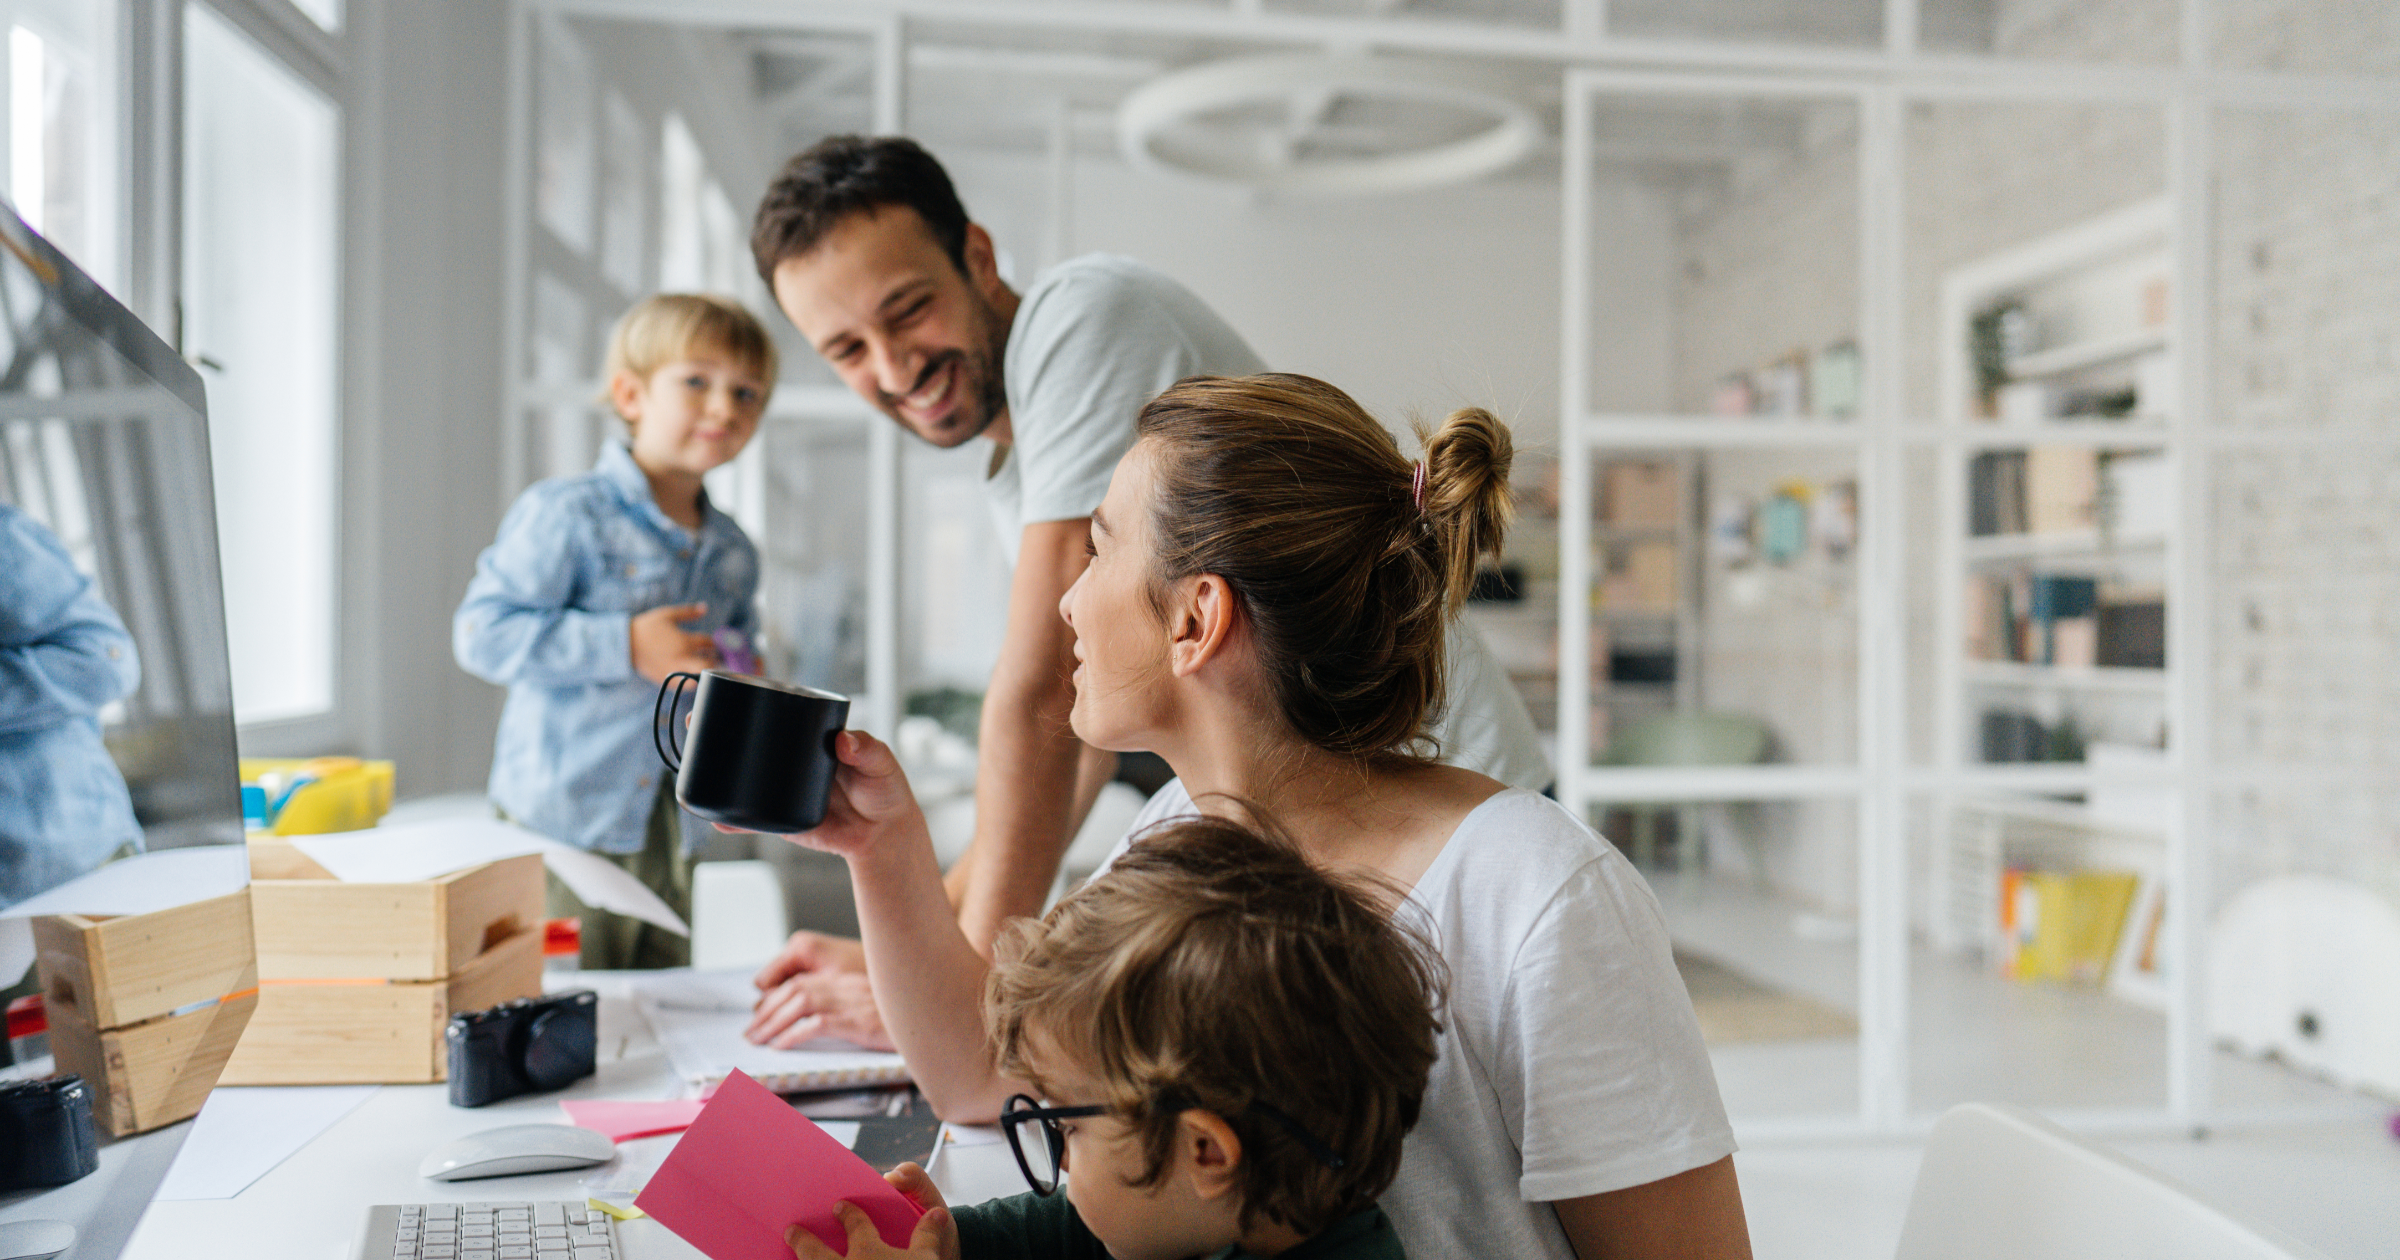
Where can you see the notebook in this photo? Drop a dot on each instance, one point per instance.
(698, 1017)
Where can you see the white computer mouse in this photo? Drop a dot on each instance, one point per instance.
(519, 1148)
(34, 1240)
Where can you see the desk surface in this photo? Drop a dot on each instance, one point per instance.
(313, 1205)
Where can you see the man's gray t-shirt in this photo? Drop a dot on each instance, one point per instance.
(1095, 338)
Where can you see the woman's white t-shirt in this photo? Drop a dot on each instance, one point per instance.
(1570, 1060)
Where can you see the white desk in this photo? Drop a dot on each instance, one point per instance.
(313, 1205)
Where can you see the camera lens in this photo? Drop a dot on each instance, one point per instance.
(560, 1047)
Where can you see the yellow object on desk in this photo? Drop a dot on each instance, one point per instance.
(313, 795)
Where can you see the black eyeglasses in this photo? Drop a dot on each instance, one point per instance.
(1043, 1164)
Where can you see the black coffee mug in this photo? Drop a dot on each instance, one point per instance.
(759, 755)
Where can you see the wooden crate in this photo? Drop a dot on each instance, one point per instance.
(147, 1008)
(324, 929)
(333, 1031)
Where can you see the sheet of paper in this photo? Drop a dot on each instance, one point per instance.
(618, 1121)
(406, 852)
(136, 885)
(751, 1167)
(707, 1045)
(145, 882)
(244, 1132)
(719, 989)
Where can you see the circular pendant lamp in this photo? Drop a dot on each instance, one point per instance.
(1249, 121)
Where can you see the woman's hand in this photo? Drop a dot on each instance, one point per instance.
(935, 1238)
(870, 799)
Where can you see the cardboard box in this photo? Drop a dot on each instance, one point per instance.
(1639, 495)
(358, 980)
(147, 1008)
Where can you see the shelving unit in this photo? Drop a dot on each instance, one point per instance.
(2093, 299)
(1634, 636)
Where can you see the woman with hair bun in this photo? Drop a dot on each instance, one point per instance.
(1271, 588)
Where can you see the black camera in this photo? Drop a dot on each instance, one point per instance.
(46, 1133)
(528, 1046)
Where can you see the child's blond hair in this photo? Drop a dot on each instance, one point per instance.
(1214, 967)
(665, 327)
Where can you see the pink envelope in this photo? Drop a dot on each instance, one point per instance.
(751, 1167)
(618, 1121)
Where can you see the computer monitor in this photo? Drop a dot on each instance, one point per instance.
(104, 458)
(104, 442)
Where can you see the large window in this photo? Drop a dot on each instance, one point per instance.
(261, 166)
(61, 164)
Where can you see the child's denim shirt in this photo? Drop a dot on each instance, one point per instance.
(549, 615)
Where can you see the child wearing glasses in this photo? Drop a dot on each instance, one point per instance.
(1225, 1047)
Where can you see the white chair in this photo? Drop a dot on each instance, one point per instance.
(2001, 1183)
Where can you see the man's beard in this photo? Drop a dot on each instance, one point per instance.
(979, 375)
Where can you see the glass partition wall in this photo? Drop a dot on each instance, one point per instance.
(2012, 465)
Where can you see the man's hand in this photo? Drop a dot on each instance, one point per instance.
(935, 1238)
(661, 646)
(812, 951)
(814, 1004)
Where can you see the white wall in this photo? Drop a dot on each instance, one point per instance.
(421, 450)
(1414, 304)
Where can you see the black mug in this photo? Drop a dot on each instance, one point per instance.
(759, 755)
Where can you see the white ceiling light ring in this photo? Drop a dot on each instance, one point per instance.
(1148, 116)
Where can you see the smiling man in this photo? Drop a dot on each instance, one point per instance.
(871, 255)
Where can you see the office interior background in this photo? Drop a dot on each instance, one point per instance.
(1956, 451)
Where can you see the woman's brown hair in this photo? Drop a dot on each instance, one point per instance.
(1348, 570)
(1214, 967)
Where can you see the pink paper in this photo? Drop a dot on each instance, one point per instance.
(618, 1121)
(751, 1167)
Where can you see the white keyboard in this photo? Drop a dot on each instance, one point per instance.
(488, 1231)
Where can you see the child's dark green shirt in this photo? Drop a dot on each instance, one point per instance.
(1039, 1227)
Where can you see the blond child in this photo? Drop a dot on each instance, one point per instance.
(1225, 1047)
(602, 584)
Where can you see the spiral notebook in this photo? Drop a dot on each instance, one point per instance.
(699, 1016)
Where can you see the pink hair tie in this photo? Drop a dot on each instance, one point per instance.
(1416, 489)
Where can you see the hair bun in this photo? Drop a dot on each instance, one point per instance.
(1467, 498)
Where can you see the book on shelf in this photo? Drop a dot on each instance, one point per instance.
(2132, 634)
(2062, 926)
(1996, 493)
(2034, 618)
(2062, 489)
(2137, 495)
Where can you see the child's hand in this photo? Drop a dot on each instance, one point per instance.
(935, 1238)
(911, 1180)
(661, 646)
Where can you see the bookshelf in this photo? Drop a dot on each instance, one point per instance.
(1645, 626)
(2052, 583)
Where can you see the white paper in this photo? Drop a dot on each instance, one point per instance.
(16, 950)
(139, 884)
(721, 989)
(244, 1132)
(145, 882)
(407, 852)
(705, 1044)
